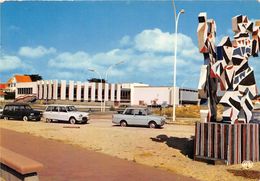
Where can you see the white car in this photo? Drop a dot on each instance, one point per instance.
(138, 116)
(65, 113)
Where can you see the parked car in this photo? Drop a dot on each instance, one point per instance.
(20, 111)
(1, 112)
(65, 113)
(138, 116)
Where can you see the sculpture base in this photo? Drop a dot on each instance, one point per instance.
(226, 143)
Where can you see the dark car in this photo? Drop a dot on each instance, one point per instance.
(20, 111)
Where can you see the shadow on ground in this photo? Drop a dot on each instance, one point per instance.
(249, 174)
(185, 145)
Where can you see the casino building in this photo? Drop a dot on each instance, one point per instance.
(113, 94)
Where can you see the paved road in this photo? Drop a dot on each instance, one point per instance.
(63, 162)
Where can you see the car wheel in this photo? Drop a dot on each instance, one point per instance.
(123, 124)
(152, 124)
(25, 118)
(72, 121)
(6, 118)
(48, 120)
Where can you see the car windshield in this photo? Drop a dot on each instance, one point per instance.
(71, 108)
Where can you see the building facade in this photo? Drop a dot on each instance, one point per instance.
(112, 94)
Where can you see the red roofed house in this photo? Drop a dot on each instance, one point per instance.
(17, 79)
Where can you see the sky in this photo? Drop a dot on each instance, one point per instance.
(63, 39)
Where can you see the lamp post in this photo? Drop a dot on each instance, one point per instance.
(111, 66)
(103, 106)
(175, 61)
(93, 70)
(108, 69)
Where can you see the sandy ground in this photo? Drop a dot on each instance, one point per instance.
(169, 148)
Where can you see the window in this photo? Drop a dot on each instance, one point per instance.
(135, 111)
(142, 112)
(24, 90)
(55, 109)
(49, 108)
(63, 109)
(71, 108)
(129, 112)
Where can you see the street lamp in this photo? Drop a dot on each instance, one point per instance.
(93, 70)
(109, 68)
(175, 61)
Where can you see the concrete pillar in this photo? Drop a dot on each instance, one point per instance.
(45, 88)
(78, 90)
(99, 91)
(55, 89)
(106, 91)
(118, 96)
(40, 90)
(112, 92)
(132, 94)
(63, 90)
(93, 91)
(86, 86)
(50, 90)
(71, 90)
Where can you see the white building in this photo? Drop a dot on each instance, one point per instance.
(112, 94)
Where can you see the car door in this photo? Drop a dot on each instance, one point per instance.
(17, 112)
(54, 114)
(140, 117)
(7, 111)
(63, 114)
(48, 112)
(128, 116)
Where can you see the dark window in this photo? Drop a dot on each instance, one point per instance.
(89, 93)
(59, 92)
(67, 92)
(82, 93)
(115, 96)
(63, 109)
(75, 93)
(96, 94)
(49, 109)
(109, 94)
(129, 112)
(55, 109)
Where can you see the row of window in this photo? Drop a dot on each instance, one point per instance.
(17, 108)
(24, 90)
(125, 94)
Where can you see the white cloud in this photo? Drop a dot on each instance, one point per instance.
(147, 58)
(37, 52)
(163, 42)
(125, 41)
(8, 63)
(78, 60)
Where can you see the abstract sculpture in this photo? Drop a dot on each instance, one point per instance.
(226, 68)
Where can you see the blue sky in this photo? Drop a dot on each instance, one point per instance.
(61, 40)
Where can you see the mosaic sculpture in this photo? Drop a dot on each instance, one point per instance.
(226, 68)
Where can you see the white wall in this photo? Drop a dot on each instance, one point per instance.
(150, 94)
(32, 85)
